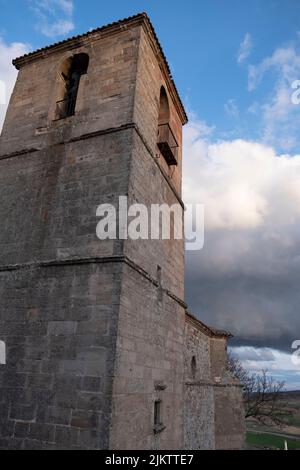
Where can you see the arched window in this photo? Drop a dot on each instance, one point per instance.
(166, 142)
(193, 366)
(164, 109)
(70, 75)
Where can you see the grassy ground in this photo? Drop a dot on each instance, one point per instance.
(270, 437)
(294, 421)
(270, 441)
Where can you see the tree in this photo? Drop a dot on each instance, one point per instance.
(262, 394)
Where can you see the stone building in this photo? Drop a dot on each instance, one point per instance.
(101, 352)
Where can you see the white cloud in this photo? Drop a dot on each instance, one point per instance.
(59, 28)
(284, 60)
(278, 363)
(238, 181)
(254, 108)
(249, 354)
(231, 108)
(8, 73)
(67, 6)
(245, 48)
(245, 278)
(55, 17)
(280, 117)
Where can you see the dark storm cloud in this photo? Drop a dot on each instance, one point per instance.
(252, 291)
(247, 277)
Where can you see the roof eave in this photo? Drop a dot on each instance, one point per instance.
(211, 332)
(79, 40)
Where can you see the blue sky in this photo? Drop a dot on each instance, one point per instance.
(200, 38)
(234, 63)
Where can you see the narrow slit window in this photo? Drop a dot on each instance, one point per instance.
(157, 413)
(193, 366)
(158, 424)
(2, 353)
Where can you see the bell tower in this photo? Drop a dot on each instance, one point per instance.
(93, 330)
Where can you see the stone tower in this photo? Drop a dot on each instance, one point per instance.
(101, 352)
(94, 330)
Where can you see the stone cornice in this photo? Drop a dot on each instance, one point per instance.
(207, 330)
(91, 135)
(30, 265)
(210, 383)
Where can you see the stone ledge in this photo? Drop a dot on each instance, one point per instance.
(100, 260)
(200, 383)
(100, 132)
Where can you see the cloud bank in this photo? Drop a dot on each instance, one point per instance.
(277, 363)
(247, 276)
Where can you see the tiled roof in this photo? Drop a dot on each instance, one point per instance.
(140, 17)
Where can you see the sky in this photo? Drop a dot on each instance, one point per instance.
(234, 63)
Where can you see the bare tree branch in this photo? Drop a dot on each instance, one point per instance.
(262, 395)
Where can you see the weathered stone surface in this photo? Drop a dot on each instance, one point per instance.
(95, 331)
(213, 404)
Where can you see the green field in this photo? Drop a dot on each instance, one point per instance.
(294, 405)
(270, 441)
(294, 421)
(273, 437)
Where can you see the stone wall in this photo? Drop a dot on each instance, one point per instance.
(199, 417)
(229, 417)
(199, 429)
(197, 345)
(149, 356)
(149, 254)
(58, 307)
(218, 357)
(59, 325)
(95, 331)
(213, 403)
(49, 203)
(73, 310)
(60, 286)
(149, 367)
(150, 78)
(105, 98)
